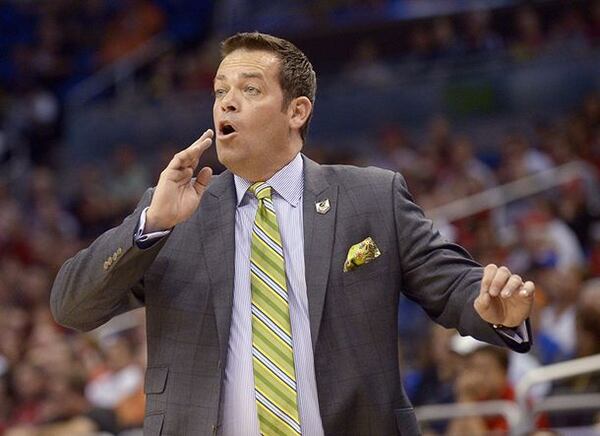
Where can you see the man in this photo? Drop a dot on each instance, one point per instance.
(587, 336)
(264, 316)
(482, 376)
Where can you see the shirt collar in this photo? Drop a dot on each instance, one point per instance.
(288, 182)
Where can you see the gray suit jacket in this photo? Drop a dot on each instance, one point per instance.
(185, 282)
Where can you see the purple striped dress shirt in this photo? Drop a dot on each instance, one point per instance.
(239, 405)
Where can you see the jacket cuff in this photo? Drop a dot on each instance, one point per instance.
(517, 338)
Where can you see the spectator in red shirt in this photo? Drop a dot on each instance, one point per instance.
(482, 377)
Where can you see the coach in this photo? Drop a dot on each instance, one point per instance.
(271, 290)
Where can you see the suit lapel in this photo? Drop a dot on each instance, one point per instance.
(319, 231)
(218, 221)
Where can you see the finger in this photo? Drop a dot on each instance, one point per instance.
(180, 160)
(204, 141)
(178, 175)
(191, 155)
(208, 134)
(488, 275)
(512, 285)
(203, 179)
(482, 302)
(205, 138)
(198, 150)
(527, 290)
(499, 281)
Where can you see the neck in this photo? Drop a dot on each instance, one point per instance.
(263, 174)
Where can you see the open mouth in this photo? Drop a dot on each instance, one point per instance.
(226, 128)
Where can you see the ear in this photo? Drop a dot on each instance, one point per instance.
(299, 111)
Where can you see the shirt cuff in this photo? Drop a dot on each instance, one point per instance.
(518, 334)
(146, 240)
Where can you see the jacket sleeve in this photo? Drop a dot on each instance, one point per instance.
(441, 276)
(104, 279)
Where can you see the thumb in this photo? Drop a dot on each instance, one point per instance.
(203, 179)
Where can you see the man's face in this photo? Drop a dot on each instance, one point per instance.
(492, 374)
(253, 133)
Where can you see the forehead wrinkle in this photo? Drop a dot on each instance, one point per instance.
(250, 60)
(224, 78)
(242, 75)
(252, 75)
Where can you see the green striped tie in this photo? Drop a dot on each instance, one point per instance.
(272, 346)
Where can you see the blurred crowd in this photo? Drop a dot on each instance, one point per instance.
(55, 382)
(56, 43)
(417, 47)
(49, 47)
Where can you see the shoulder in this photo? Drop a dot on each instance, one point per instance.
(350, 176)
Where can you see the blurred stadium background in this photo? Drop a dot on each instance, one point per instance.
(491, 109)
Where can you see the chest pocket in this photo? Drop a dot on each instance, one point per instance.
(366, 272)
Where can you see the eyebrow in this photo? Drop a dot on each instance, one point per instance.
(252, 75)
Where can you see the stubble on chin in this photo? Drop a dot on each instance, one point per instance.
(230, 159)
(224, 152)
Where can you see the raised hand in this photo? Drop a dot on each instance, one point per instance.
(503, 297)
(177, 195)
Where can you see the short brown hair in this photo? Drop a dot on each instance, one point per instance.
(296, 75)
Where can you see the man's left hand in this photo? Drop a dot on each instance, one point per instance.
(503, 298)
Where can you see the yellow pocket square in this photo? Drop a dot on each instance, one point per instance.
(361, 253)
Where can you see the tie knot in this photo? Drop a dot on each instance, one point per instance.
(260, 190)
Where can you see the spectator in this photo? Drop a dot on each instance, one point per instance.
(587, 344)
(569, 32)
(122, 379)
(432, 382)
(588, 320)
(483, 376)
(393, 151)
(480, 38)
(547, 240)
(29, 384)
(366, 67)
(556, 330)
(165, 77)
(197, 69)
(421, 49)
(520, 158)
(448, 48)
(49, 59)
(66, 411)
(530, 40)
(439, 369)
(129, 178)
(92, 203)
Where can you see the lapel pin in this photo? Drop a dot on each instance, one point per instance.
(323, 206)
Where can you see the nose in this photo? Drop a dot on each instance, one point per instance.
(229, 102)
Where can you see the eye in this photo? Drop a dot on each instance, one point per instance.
(252, 90)
(220, 92)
